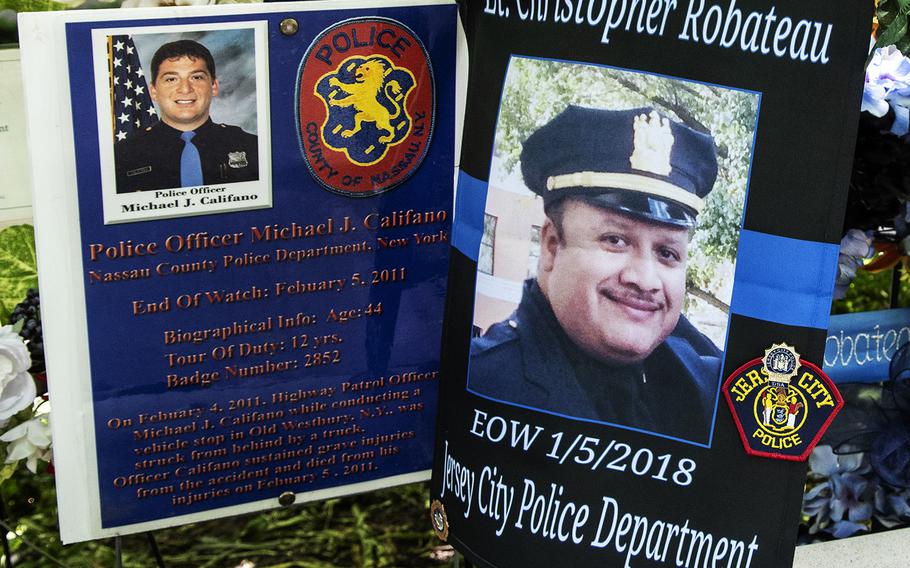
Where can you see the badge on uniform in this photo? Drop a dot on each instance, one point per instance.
(237, 159)
(781, 404)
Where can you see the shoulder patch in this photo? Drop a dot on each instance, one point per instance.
(781, 404)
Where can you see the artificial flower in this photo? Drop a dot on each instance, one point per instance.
(17, 389)
(855, 247)
(30, 441)
(888, 87)
(840, 502)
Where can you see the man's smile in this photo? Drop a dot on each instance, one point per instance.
(634, 301)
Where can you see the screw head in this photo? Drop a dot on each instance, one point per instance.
(287, 498)
(288, 26)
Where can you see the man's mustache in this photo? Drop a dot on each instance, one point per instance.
(634, 298)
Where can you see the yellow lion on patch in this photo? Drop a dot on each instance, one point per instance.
(363, 95)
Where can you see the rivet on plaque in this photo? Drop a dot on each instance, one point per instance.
(288, 26)
(287, 498)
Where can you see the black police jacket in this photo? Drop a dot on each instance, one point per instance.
(529, 361)
(150, 159)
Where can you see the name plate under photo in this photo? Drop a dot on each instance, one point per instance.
(243, 220)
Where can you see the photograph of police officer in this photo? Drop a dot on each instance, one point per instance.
(599, 332)
(185, 147)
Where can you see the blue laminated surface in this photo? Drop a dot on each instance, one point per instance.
(783, 280)
(301, 352)
(467, 229)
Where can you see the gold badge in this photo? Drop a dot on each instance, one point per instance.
(237, 159)
(439, 520)
(781, 362)
(653, 144)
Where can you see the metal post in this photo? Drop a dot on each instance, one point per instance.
(7, 553)
(895, 285)
(118, 552)
(154, 548)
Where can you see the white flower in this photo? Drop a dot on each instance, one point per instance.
(17, 389)
(888, 84)
(855, 247)
(857, 244)
(31, 441)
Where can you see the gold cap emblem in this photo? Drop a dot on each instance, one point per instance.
(652, 144)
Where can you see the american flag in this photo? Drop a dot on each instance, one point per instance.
(131, 104)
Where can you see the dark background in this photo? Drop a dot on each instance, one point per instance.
(798, 183)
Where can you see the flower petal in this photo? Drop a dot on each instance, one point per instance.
(17, 395)
(843, 529)
(823, 461)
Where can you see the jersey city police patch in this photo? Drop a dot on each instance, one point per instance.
(781, 404)
(365, 106)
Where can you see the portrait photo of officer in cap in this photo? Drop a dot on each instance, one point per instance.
(185, 147)
(599, 332)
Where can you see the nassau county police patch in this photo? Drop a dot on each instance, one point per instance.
(781, 404)
(365, 106)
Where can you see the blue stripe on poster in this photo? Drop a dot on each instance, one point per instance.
(860, 346)
(784, 280)
(467, 227)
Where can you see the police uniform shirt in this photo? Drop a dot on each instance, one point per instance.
(150, 159)
(530, 361)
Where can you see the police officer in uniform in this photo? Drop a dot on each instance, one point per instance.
(185, 148)
(599, 334)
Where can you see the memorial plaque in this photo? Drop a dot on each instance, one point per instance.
(649, 203)
(243, 219)
(15, 197)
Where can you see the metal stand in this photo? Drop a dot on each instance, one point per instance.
(895, 285)
(7, 553)
(153, 546)
(118, 552)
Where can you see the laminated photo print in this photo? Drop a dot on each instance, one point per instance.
(635, 312)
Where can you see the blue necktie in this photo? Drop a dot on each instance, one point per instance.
(190, 165)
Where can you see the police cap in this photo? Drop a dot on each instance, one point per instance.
(635, 161)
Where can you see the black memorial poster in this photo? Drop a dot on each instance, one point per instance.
(650, 196)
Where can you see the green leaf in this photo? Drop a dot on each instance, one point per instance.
(892, 34)
(7, 471)
(18, 266)
(33, 5)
